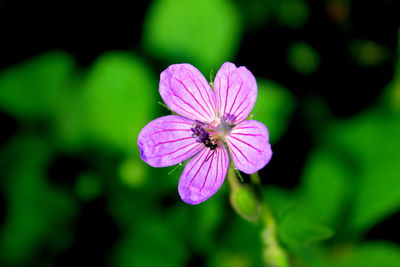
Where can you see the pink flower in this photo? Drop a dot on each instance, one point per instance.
(211, 127)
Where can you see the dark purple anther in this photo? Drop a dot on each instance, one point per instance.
(199, 132)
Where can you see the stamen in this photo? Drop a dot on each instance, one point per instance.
(199, 132)
(210, 134)
(203, 135)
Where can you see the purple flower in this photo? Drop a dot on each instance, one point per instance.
(211, 127)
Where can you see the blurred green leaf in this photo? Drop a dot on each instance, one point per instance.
(371, 254)
(303, 58)
(292, 13)
(289, 13)
(273, 107)
(255, 12)
(239, 241)
(370, 141)
(119, 98)
(38, 215)
(203, 33)
(133, 172)
(325, 188)
(208, 219)
(69, 127)
(34, 88)
(297, 232)
(88, 186)
(368, 53)
(226, 258)
(150, 243)
(279, 200)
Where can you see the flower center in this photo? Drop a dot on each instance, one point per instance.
(211, 134)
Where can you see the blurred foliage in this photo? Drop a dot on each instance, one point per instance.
(392, 92)
(302, 58)
(36, 209)
(292, 13)
(88, 187)
(370, 141)
(288, 13)
(370, 255)
(297, 232)
(205, 36)
(145, 238)
(349, 182)
(33, 89)
(368, 53)
(273, 107)
(117, 97)
(133, 173)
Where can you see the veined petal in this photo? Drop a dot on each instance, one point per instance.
(236, 92)
(203, 175)
(167, 141)
(186, 92)
(249, 145)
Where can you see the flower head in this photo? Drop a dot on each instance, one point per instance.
(211, 127)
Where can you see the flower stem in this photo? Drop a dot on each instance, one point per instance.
(273, 254)
(250, 206)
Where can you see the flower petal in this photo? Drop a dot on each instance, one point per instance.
(249, 145)
(203, 175)
(167, 141)
(236, 92)
(186, 92)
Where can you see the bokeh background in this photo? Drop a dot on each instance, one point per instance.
(79, 79)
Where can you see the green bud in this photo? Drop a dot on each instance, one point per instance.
(245, 203)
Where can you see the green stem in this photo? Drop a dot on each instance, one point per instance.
(273, 254)
(250, 207)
